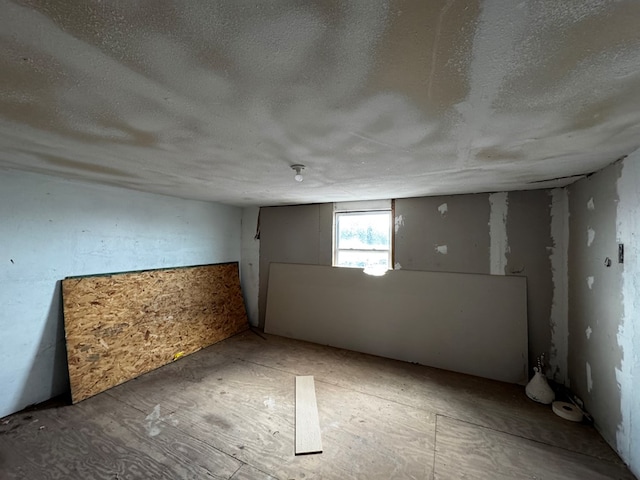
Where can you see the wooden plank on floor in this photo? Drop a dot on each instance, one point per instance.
(307, 423)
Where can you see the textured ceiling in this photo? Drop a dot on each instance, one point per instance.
(214, 100)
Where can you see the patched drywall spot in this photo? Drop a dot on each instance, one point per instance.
(499, 203)
(558, 355)
(590, 281)
(591, 235)
(588, 332)
(442, 249)
(397, 266)
(399, 222)
(443, 209)
(590, 204)
(269, 402)
(589, 379)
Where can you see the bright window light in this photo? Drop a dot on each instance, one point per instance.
(363, 240)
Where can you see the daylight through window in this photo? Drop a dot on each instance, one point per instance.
(363, 239)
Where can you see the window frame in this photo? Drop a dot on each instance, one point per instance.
(360, 209)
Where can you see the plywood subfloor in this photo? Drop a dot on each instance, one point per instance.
(227, 412)
(120, 326)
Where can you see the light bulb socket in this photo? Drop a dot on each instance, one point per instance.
(298, 168)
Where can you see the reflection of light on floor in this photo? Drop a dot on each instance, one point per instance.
(375, 270)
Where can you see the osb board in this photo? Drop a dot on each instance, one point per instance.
(468, 323)
(120, 326)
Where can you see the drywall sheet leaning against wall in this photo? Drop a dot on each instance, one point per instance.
(475, 324)
(120, 326)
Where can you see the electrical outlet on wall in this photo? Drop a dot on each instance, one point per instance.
(620, 253)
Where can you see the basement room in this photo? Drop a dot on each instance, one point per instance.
(359, 239)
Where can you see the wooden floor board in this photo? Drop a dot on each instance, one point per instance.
(368, 437)
(246, 413)
(229, 412)
(256, 423)
(491, 404)
(247, 472)
(14, 464)
(102, 438)
(308, 436)
(469, 451)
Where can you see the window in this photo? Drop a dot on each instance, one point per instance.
(362, 237)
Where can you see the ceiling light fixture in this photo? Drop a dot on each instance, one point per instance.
(298, 168)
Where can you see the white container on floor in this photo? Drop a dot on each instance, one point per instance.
(538, 389)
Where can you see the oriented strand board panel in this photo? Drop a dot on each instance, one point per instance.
(308, 438)
(122, 325)
(475, 324)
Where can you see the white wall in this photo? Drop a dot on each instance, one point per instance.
(604, 303)
(628, 335)
(51, 228)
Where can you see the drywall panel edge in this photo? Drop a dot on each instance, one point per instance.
(469, 323)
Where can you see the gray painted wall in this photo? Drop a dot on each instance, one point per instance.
(529, 248)
(469, 323)
(519, 237)
(51, 229)
(458, 222)
(594, 356)
(293, 234)
(604, 305)
(498, 233)
(250, 264)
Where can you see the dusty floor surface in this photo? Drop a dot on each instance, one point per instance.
(227, 412)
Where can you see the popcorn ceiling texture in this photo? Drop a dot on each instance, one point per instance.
(382, 99)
